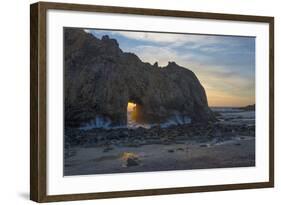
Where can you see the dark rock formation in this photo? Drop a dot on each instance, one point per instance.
(132, 162)
(249, 107)
(100, 80)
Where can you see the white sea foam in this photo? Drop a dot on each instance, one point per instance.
(98, 122)
(176, 120)
(105, 123)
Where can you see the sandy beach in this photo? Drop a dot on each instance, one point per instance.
(178, 156)
(230, 142)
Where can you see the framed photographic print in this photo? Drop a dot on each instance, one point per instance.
(134, 102)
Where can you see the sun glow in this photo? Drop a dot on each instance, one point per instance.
(131, 107)
(223, 99)
(132, 112)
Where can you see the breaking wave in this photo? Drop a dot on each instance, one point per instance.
(105, 123)
(176, 120)
(99, 122)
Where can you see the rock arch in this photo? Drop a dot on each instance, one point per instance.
(100, 80)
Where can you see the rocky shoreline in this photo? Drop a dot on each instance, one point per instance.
(184, 147)
(228, 142)
(199, 133)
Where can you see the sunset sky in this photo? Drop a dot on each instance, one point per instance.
(225, 65)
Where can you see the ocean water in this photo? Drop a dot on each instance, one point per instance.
(105, 123)
(232, 115)
(173, 120)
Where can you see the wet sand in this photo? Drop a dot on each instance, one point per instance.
(159, 157)
(230, 142)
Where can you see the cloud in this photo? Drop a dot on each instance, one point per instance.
(224, 65)
(171, 39)
(151, 54)
(160, 37)
(88, 30)
(222, 82)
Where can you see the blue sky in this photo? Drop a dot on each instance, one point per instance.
(225, 65)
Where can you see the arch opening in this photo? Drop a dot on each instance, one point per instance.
(131, 113)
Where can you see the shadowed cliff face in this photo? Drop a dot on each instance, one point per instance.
(100, 80)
